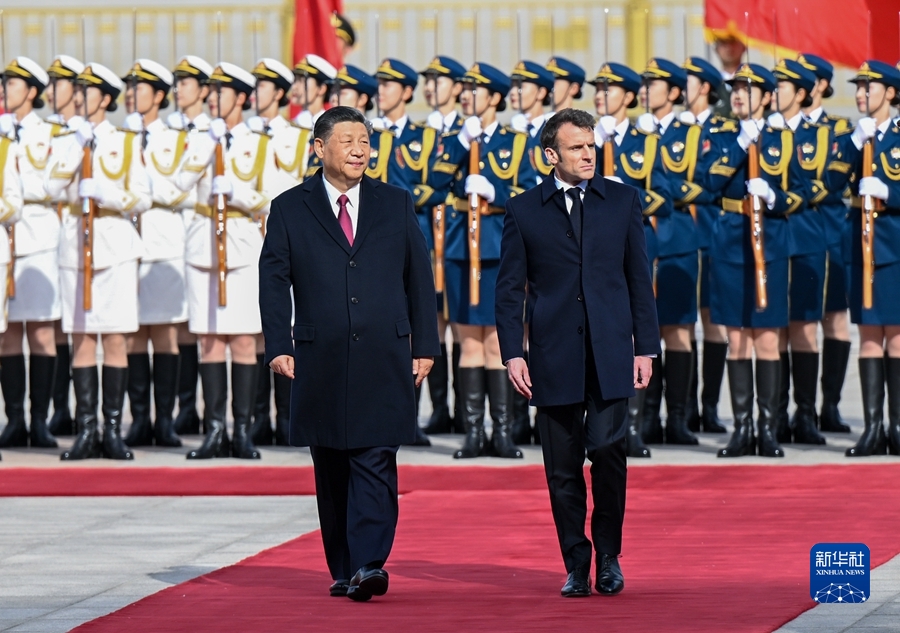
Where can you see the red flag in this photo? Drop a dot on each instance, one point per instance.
(313, 31)
(834, 29)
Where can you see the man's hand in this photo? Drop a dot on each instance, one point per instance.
(422, 367)
(283, 365)
(517, 369)
(643, 369)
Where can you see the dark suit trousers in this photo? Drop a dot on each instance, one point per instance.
(597, 427)
(356, 493)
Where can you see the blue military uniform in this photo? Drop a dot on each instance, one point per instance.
(443, 66)
(531, 72)
(358, 80)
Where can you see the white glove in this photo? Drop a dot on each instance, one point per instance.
(85, 133)
(8, 125)
(647, 123)
(305, 120)
(435, 120)
(481, 186)
(749, 134)
(776, 121)
(217, 129)
(519, 122)
(176, 121)
(75, 122)
(470, 131)
(605, 129)
(134, 122)
(56, 118)
(221, 186)
(760, 188)
(90, 188)
(866, 128)
(871, 186)
(257, 124)
(378, 124)
(687, 117)
(614, 179)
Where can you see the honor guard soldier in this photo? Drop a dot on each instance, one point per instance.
(808, 263)
(630, 155)
(494, 167)
(443, 87)
(568, 80)
(873, 272)
(33, 244)
(664, 83)
(99, 170)
(531, 91)
(836, 324)
(730, 48)
(237, 174)
(190, 94)
(354, 88)
(289, 142)
(60, 95)
(701, 93)
(313, 79)
(749, 276)
(162, 300)
(343, 31)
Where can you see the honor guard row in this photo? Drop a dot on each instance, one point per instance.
(158, 228)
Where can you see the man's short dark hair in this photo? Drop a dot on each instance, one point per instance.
(338, 114)
(578, 118)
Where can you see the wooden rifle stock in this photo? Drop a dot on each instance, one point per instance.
(477, 207)
(437, 216)
(869, 207)
(11, 267)
(88, 213)
(221, 217)
(753, 209)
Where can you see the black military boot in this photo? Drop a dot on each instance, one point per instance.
(651, 425)
(62, 423)
(139, 380)
(740, 383)
(691, 406)
(805, 367)
(835, 357)
(634, 443)
(714, 355)
(187, 422)
(458, 424)
(678, 378)
(115, 383)
(41, 370)
(165, 383)
(438, 389)
(243, 392)
(472, 387)
(262, 407)
(282, 409)
(768, 386)
(871, 379)
(214, 381)
(87, 440)
(500, 391)
(892, 365)
(12, 382)
(784, 433)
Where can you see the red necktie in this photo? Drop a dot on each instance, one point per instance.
(344, 218)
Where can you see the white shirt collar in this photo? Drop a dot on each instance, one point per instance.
(30, 119)
(884, 126)
(537, 122)
(703, 116)
(489, 131)
(333, 195)
(815, 115)
(665, 122)
(566, 186)
(400, 124)
(449, 119)
(795, 121)
(621, 130)
(156, 126)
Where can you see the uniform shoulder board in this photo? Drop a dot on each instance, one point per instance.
(726, 125)
(63, 131)
(841, 125)
(505, 129)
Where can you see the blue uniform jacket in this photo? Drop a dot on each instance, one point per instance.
(679, 147)
(706, 202)
(812, 145)
(833, 208)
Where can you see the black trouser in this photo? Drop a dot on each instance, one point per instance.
(596, 426)
(356, 493)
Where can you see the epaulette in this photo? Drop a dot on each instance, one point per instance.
(727, 125)
(63, 131)
(511, 130)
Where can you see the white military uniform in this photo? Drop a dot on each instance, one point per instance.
(10, 212)
(292, 145)
(37, 233)
(251, 168)
(117, 166)
(162, 296)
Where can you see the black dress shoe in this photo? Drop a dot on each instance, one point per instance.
(610, 580)
(367, 582)
(578, 583)
(339, 588)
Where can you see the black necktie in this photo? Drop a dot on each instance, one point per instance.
(191, 127)
(228, 138)
(577, 213)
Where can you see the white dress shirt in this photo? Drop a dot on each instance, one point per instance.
(703, 116)
(565, 187)
(352, 206)
(400, 124)
(663, 124)
(621, 129)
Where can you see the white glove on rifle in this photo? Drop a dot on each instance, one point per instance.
(470, 131)
(481, 186)
(378, 124)
(134, 122)
(257, 124)
(217, 129)
(435, 120)
(647, 123)
(90, 188)
(687, 117)
(74, 123)
(865, 129)
(176, 121)
(519, 122)
(871, 186)
(760, 188)
(221, 186)
(305, 120)
(8, 125)
(749, 134)
(776, 121)
(85, 133)
(605, 130)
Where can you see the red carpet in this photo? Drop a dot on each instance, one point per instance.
(707, 549)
